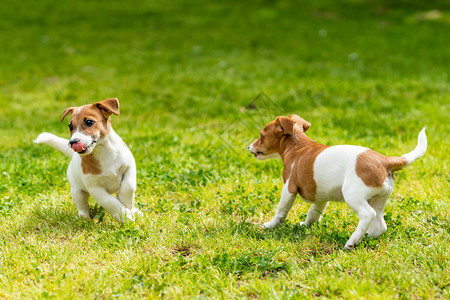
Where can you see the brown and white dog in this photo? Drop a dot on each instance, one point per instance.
(356, 175)
(101, 165)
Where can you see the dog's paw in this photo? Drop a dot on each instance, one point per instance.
(125, 216)
(82, 214)
(269, 225)
(349, 247)
(303, 223)
(136, 210)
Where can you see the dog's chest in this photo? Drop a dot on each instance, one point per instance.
(110, 178)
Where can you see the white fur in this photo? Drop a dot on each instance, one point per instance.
(286, 202)
(88, 141)
(336, 180)
(118, 175)
(262, 156)
(420, 149)
(55, 142)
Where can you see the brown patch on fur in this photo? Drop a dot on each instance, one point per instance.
(90, 112)
(108, 106)
(90, 165)
(373, 167)
(293, 145)
(66, 112)
(302, 177)
(98, 112)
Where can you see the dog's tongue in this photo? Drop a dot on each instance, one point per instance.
(77, 147)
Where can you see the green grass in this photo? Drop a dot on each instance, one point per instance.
(370, 73)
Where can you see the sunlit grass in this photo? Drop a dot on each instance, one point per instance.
(361, 73)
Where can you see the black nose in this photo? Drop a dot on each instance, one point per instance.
(248, 147)
(74, 141)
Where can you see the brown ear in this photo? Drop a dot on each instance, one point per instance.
(66, 112)
(301, 122)
(108, 107)
(286, 124)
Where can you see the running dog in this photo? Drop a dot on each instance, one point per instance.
(101, 165)
(360, 177)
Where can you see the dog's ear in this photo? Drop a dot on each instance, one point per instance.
(108, 107)
(301, 122)
(66, 112)
(285, 125)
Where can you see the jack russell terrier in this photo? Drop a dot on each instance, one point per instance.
(101, 163)
(356, 175)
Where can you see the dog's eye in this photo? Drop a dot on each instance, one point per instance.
(89, 123)
(70, 126)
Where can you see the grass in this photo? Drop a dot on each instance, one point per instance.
(362, 72)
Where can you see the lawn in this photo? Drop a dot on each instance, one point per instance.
(196, 81)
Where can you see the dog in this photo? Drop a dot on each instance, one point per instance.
(101, 165)
(360, 177)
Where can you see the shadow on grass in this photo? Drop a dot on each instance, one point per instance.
(54, 219)
(316, 239)
(53, 224)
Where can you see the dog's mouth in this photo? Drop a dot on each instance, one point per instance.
(88, 148)
(258, 153)
(84, 150)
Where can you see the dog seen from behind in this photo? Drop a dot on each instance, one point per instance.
(358, 176)
(101, 165)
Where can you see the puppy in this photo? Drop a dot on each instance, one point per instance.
(101, 165)
(356, 175)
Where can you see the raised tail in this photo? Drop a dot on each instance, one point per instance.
(55, 142)
(398, 163)
(420, 149)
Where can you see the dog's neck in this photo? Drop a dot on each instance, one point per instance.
(108, 144)
(291, 143)
(106, 147)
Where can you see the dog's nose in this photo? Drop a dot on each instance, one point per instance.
(74, 141)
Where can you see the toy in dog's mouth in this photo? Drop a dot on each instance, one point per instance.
(80, 149)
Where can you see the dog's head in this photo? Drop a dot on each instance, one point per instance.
(270, 139)
(89, 124)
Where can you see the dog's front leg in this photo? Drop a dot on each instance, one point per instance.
(80, 198)
(286, 202)
(111, 204)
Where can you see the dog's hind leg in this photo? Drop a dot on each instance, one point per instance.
(80, 198)
(378, 226)
(314, 213)
(286, 202)
(357, 200)
(127, 188)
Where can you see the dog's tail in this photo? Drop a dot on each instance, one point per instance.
(55, 142)
(397, 163)
(420, 149)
